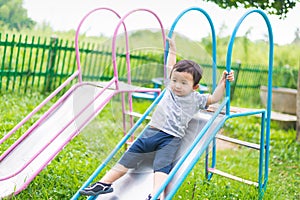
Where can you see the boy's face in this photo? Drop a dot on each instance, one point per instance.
(182, 83)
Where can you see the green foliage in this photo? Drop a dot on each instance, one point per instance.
(13, 15)
(252, 55)
(286, 55)
(277, 7)
(244, 51)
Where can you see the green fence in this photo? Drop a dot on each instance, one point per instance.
(41, 64)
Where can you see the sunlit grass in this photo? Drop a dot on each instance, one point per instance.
(77, 161)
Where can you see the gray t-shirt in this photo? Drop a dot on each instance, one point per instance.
(173, 113)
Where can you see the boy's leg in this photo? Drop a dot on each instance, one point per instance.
(114, 174)
(159, 178)
(164, 158)
(130, 159)
(104, 185)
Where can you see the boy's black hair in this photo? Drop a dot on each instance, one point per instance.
(190, 67)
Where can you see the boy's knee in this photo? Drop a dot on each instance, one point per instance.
(121, 168)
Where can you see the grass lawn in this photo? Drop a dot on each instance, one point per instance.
(76, 162)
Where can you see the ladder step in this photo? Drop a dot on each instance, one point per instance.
(145, 95)
(135, 114)
(218, 172)
(240, 142)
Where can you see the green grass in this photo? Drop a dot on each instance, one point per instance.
(284, 169)
(76, 162)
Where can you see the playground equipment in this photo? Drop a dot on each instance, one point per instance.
(90, 98)
(24, 159)
(201, 133)
(264, 145)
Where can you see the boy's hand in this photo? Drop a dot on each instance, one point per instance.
(220, 89)
(172, 45)
(227, 76)
(172, 53)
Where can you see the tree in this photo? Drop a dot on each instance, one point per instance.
(277, 7)
(14, 15)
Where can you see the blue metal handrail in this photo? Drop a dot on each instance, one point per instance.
(262, 185)
(271, 46)
(213, 37)
(265, 118)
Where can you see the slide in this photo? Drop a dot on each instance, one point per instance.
(27, 157)
(137, 184)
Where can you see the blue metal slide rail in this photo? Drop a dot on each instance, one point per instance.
(266, 118)
(213, 37)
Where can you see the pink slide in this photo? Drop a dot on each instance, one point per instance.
(27, 157)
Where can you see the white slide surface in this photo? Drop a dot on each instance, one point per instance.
(137, 183)
(43, 135)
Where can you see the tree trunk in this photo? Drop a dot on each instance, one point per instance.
(298, 109)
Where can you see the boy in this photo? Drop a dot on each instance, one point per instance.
(167, 126)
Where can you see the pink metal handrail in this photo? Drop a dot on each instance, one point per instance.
(110, 83)
(78, 32)
(29, 179)
(127, 46)
(77, 73)
(54, 93)
(64, 128)
(128, 59)
(115, 69)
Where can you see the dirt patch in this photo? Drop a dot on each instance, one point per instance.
(222, 145)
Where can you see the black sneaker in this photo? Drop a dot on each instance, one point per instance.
(149, 197)
(96, 189)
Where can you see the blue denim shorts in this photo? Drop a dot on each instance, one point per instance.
(156, 144)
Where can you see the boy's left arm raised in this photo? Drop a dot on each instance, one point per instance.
(172, 55)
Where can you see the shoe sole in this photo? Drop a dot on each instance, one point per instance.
(91, 193)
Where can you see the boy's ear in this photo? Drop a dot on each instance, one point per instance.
(196, 87)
